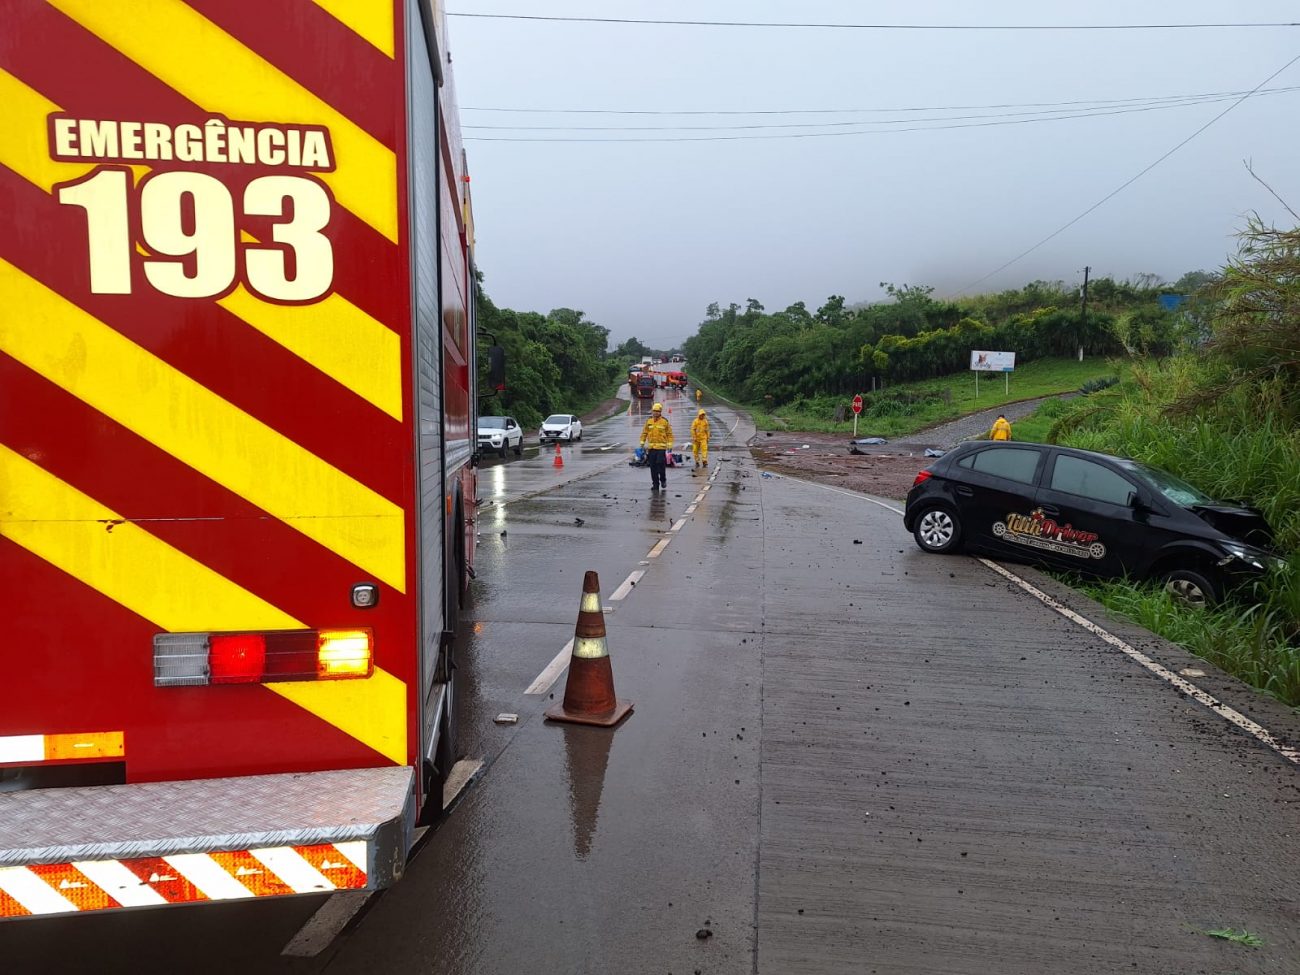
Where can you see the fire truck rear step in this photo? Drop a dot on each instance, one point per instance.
(205, 839)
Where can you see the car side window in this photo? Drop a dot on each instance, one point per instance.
(1019, 464)
(1088, 479)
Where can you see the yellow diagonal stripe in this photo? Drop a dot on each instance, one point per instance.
(23, 145)
(71, 530)
(336, 337)
(333, 335)
(371, 19)
(78, 352)
(197, 58)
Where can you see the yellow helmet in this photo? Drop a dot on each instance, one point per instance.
(657, 408)
(701, 413)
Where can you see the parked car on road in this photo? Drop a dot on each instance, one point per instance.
(1087, 512)
(560, 426)
(500, 433)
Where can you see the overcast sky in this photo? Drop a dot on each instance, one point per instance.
(643, 235)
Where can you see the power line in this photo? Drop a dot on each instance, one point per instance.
(842, 132)
(1128, 182)
(846, 111)
(1082, 113)
(841, 26)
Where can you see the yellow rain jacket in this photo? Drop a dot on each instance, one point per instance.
(657, 434)
(1001, 429)
(700, 429)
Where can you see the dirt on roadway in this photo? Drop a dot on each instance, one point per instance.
(886, 471)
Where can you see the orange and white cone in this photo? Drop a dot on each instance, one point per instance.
(589, 693)
(559, 457)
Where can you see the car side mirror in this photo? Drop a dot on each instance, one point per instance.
(1136, 503)
(497, 368)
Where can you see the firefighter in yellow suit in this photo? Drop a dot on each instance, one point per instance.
(700, 439)
(1001, 429)
(657, 438)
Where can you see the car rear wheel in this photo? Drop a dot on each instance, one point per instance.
(937, 530)
(1192, 588)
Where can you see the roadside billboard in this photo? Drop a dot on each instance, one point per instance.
(992, 361)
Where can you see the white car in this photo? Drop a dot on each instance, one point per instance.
(500, 433)
(560, 426)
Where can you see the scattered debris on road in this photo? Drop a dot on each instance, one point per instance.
(506, 718)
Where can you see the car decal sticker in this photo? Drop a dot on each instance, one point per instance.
(1036, 530)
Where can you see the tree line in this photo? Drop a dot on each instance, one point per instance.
(839, 349)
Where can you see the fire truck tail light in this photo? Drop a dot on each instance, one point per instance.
(236, 658)
(192, 659)
(344, 653)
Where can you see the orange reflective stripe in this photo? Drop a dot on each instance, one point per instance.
(252, 873)
(97, 744)
(75, 886)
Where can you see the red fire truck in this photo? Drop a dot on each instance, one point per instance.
(237, 355)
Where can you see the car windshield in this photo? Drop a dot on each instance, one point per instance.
(557, 419)
(1175, 489)
(492, 422)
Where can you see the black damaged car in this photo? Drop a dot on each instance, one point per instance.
(1087, 512)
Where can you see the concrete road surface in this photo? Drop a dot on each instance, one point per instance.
(845, 756)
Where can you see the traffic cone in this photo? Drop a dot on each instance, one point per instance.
(559, 457)
(589, 693)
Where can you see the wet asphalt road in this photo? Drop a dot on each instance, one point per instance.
(845, 756)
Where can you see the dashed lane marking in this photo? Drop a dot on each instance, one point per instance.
(690, 508)
(1231, 715)
(677, 524)
(626, 586)
(552, 672)
(658, 549)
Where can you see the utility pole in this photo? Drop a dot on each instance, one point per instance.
(1083, 311)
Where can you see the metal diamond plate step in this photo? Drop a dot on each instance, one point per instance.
(207, 815)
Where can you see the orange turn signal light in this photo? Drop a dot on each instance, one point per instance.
(344, 653)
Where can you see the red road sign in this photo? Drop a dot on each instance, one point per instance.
(857, 403)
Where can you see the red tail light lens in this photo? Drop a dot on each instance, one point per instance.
(237, 658)
(921, 478)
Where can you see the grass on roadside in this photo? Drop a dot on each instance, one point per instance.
(1251, 642)
(909, 407)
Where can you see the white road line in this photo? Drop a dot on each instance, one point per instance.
(325, 925)
(658, 549)
(1230, 715)
(626, 586)
(1164, 673)
(553, 670)
(677, 525)
(690, 508)
(458, 778)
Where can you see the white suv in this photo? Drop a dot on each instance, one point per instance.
(560, 426)
(500, 433)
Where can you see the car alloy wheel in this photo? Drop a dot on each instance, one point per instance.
(936, 530)
(1191, 588)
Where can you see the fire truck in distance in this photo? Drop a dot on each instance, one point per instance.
(237, 446)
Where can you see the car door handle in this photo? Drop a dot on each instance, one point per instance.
(964, 491)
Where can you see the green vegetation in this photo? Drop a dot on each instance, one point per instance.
(556, 362)
(772, 360)
(1223, 412)
(908, 407)
(1242, 937)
